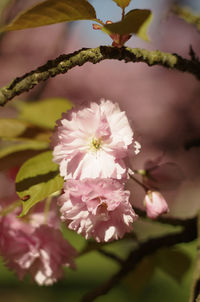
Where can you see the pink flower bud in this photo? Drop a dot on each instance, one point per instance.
(155, 204)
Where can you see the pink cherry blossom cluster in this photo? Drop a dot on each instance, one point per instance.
(34, 244)
(93, 146)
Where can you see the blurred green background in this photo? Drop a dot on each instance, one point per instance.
(149, 283)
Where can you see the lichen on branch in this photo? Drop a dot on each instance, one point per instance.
(185, 14)
(65, 62)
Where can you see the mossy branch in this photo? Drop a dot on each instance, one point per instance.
(185, 14)
(95, 55)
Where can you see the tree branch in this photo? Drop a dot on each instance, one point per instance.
(189, 233)
(185, 14)
(166, 220)
(95, 55)
(111, 256)
(192, 143)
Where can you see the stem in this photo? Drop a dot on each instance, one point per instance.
(10, 208)
(123, 13)
(47, 208)
(111, 256)
(120, 36)
(99, 21)
(146, 188)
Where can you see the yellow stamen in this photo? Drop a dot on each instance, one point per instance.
(96, 144)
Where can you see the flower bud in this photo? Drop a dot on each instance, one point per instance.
(155, 204)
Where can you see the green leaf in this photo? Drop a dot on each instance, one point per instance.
(43, 113)
(3, 4)
(16, 159)
(51, 12)
(174, 262)
(11, 127)
(135, 22)
(122, 3)
(37, 178)
(17, 144)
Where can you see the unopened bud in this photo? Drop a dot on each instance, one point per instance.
(155, 204)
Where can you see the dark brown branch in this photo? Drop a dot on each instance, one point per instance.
(189, 233)
(111, 256)
(166, 220)
(193, 55)
(95, 55)
(146, 188)
(192, 143)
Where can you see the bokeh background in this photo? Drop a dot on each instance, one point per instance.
(164, 108)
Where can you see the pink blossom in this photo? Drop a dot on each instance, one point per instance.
(97, 208)
(34, 244)
(39, 216)
(41, 251)
(93, 142)
(155, 204)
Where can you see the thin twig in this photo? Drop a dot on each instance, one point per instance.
(10, 208)
(95, 55)
(146, 188)
(111, 256)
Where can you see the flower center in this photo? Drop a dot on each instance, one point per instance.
(96, 144)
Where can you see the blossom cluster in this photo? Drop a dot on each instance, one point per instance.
(34, 244)
(93, 147)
